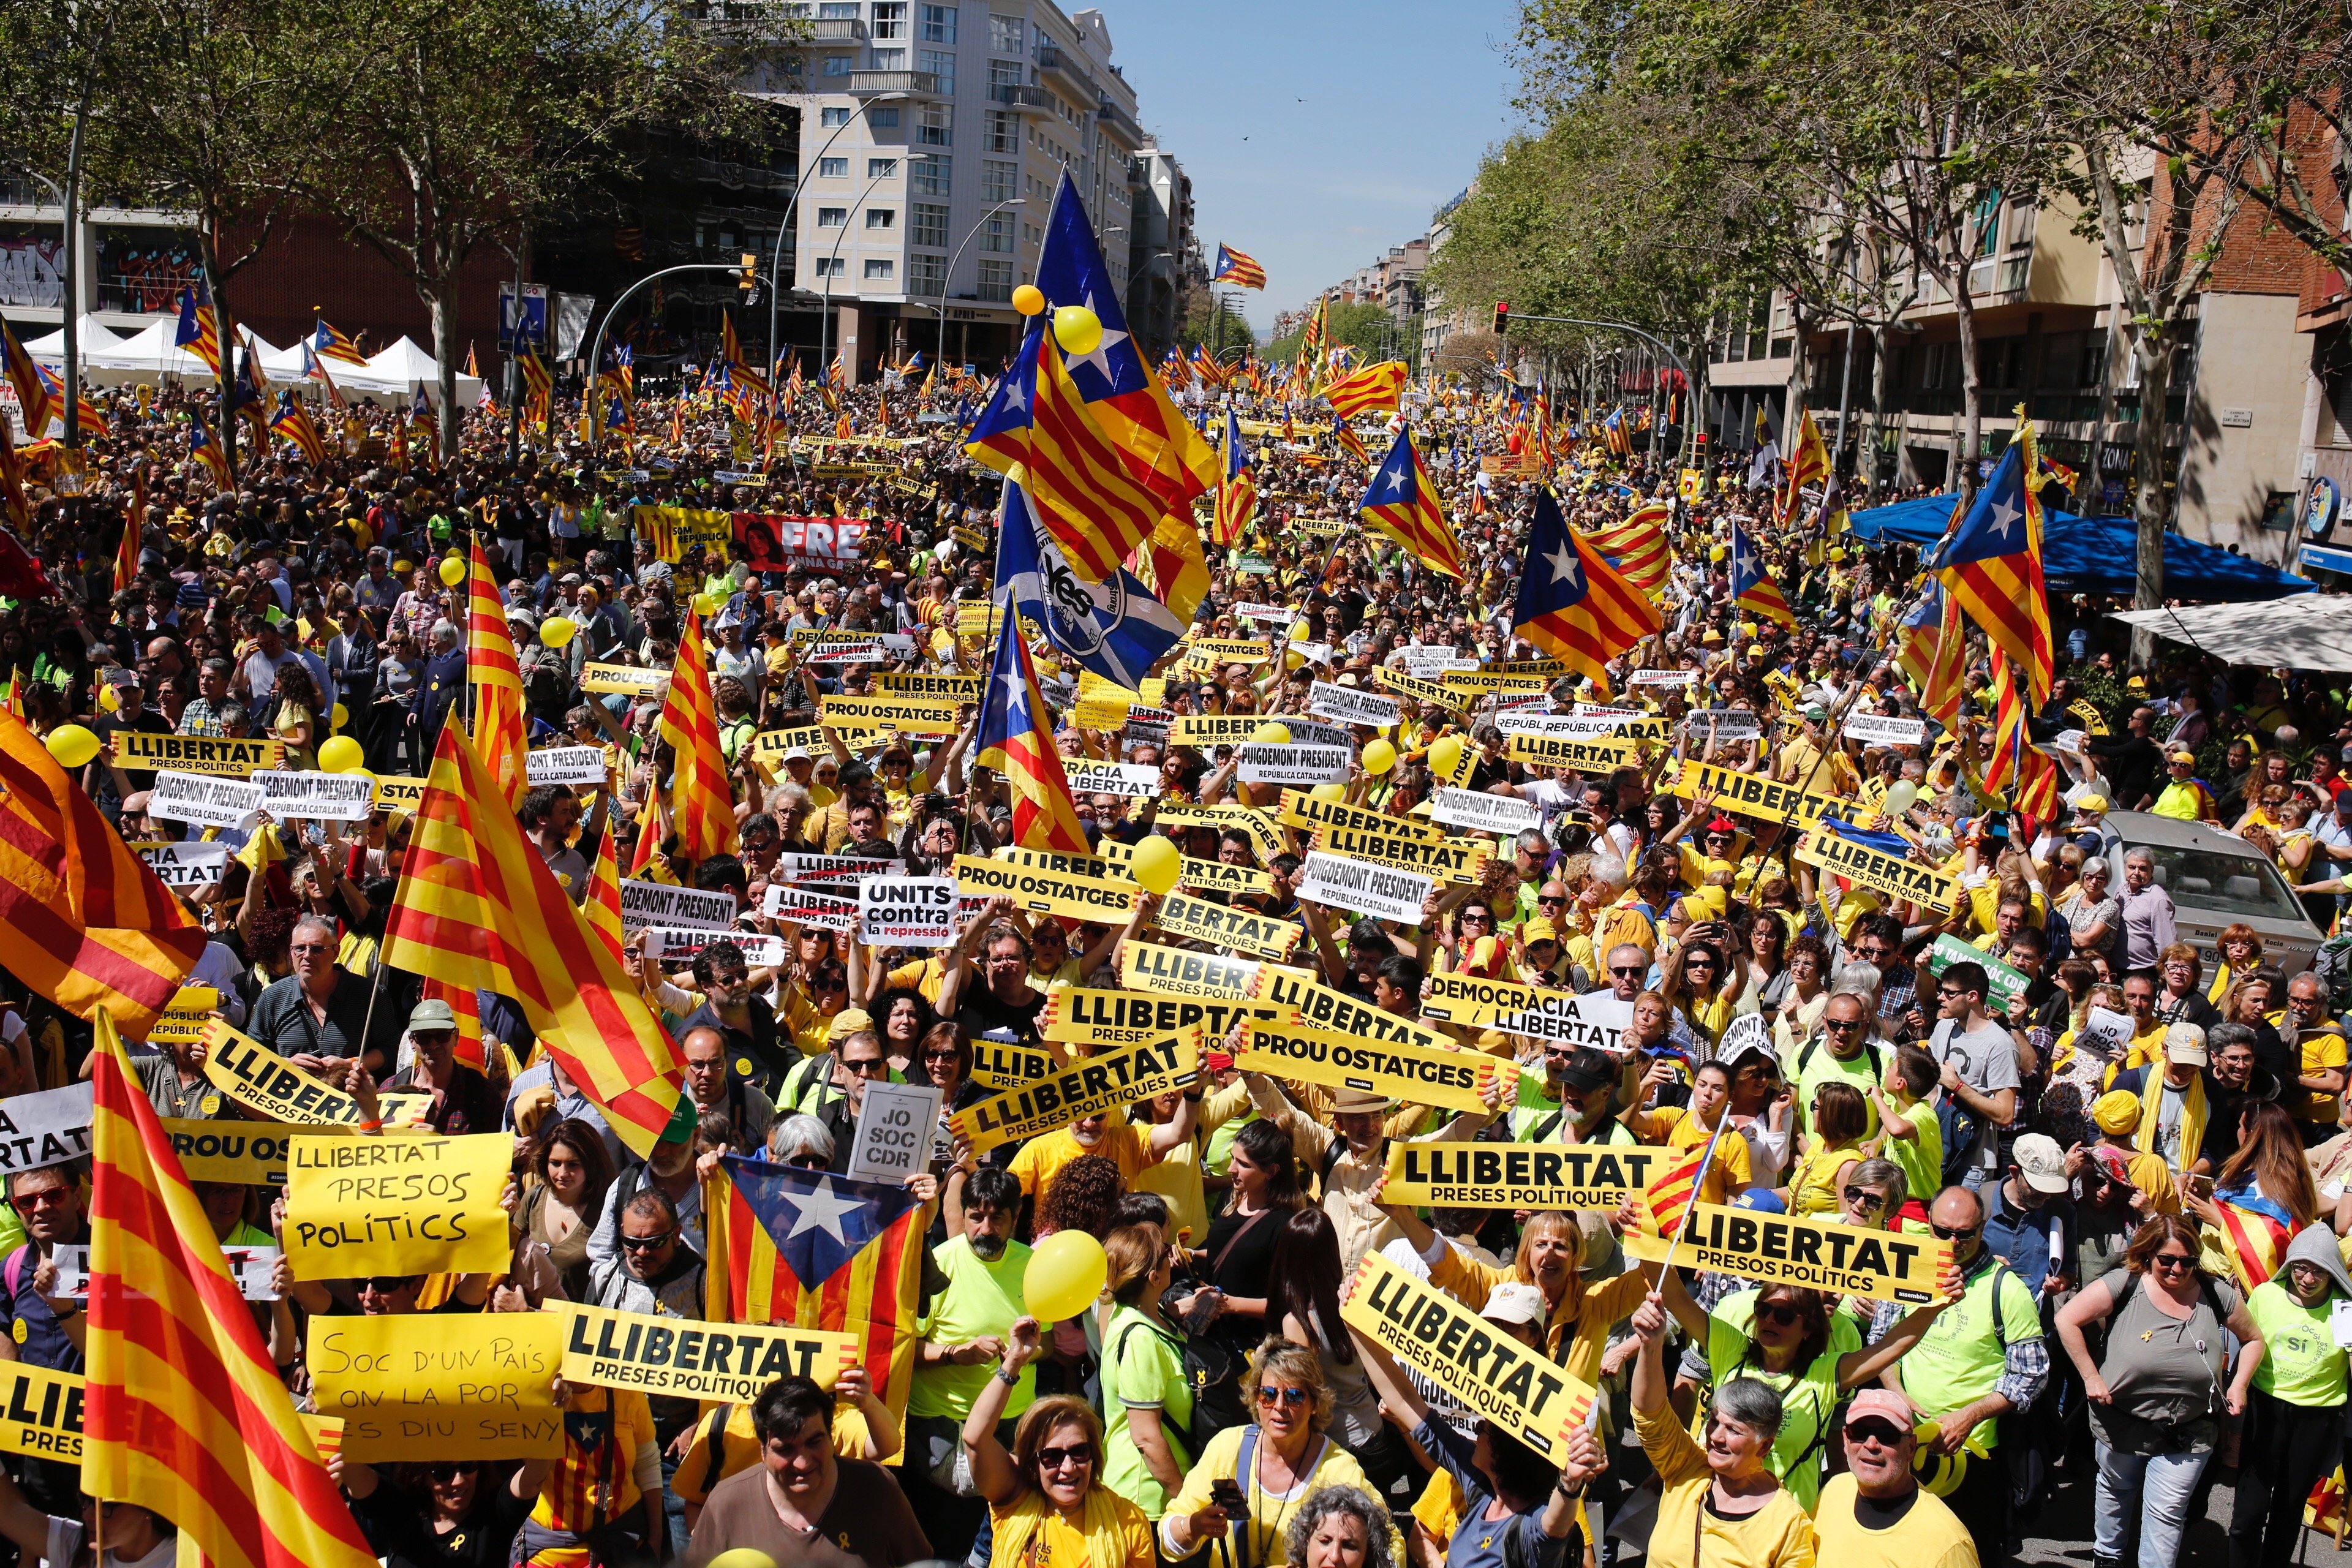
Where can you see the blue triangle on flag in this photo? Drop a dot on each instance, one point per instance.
(818, 1221)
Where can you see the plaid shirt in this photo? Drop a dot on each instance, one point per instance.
(1896, 994)
(200, 717)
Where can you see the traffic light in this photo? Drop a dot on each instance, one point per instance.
(747, 279)
(1502, 317)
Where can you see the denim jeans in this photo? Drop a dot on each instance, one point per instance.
(2162, 1486)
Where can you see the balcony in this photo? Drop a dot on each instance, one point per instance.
(1051, 60)
(894, 84)
(835, 30)
(1121, 126)
(1014, 96)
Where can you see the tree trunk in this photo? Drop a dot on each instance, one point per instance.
(442, 303)
(1870, 428)
(1964, 315)
(2154, 352)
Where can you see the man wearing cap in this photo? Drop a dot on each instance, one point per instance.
(462, 1099)
(669, 1170)
(2184, 796)
(2174, 1107)
(2028, 1219)
(1876, 1514)
(2116, 1116)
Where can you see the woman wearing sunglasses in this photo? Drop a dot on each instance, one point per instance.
(1270, 1466)
(431, 1516)
(2156, 1396)
(1048, 1500)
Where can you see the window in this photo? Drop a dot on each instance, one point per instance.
(999, 132)
(936, 128)
(881, 217)
(833, 168)
(939, 63)
(999, 182)
(998, 236)
(881, 117)
(1006, 35)
(930, 177)
(837, 65)
(830, 266)
(876, 268)
(831, 117)
(939, 23)
(927, 275)
(1002, 74)
(832, 217)
(837, 10)
(996, 280)
(889, 59)
(927, 224)
(881, 168)
(889, 18)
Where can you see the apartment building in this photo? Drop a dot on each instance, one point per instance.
(933, 137)
(1164, 249)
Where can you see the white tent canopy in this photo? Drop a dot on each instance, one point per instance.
(2307, 631)
(153, 352)
(390, 376)
(399, 370)
(95, 335)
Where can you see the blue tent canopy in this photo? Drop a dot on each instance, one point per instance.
(2095, 554)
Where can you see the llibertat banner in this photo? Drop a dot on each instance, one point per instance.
(1087, 1088)
(1228, 925)
(1454, 860)
(1146, 966)
(1083, 1015)
(1464, 1174)
(1778, 1250)
(1876, 869)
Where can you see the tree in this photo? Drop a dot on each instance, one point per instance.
(468, 121)
(1209, 318)
(1367, 328)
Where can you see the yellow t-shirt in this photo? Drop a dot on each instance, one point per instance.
(1675, 1127)
(1057, 1544)
(1042, 1159)
(1929, 1536)
(1812, 1185)
(1776, 1535)
(1330, 1466)
(2322, 1050)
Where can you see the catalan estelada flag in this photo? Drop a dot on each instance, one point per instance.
(2251, 1238)
(88, 419)
(291, 422)
(701, 807)
(205, 448)
(1808, 464)
(1637, 547)
(329, 343)
(818, 1251)
(1016, 738)
(1238, 268)
(1752, 587)
(182, 1408)
(502, 721)
(1571, 603)
(1401, 502)
(1237, 494)
(1990, 563)
(199, 326)
(83, 921)
(31, 387)
(477, 906)
(1375, 389)
(1916, 633)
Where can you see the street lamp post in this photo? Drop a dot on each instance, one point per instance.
(825, 313)
(942, 358)
(776, 262)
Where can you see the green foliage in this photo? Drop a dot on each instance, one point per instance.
(1370, 328)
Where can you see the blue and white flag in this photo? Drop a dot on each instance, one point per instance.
(1114, 628)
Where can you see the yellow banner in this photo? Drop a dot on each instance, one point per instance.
(1216, 728)
(1886, 1266)
(1100, 868)
(1259, 825)
(40, 1412)
(769, 746)
(1046, 893)
(356, 1206)
(1516, 1386)
(1225, 925)
(635, 679)
(440, 1385)
(1452, 859)
(1086, 1015)
(1084, 1089)
(1420, 691)
(1586, 753)
(1465, 1175)
(2088, 715)
(906, 715)
(1492, 680)
(222, 758)
(260, 1080)
(399, 793)
(995, 1065)
(947, 688)
(1751, 794)
(1145, 967)
(249, 1154)
(1321, 1007)
(1227, 650)
(686, 1360)
(1301, 809)
(1875, 868)
(1415, 1074)
(1209, 876)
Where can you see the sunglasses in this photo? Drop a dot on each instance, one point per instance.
(1945, 1233)
(1075, 1453)
(646, 1243)
(1863, 1198)
(946, 1056)
(383, 1284)
(450, 1470)
(871, 1067)
(1635, 972)
(1268, 1398)
(1881, 1433)
(1841, 1025)
(1549, 898)
(1778, 1313)
(2173, 1260)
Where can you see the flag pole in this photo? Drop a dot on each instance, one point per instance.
(1698, 1184)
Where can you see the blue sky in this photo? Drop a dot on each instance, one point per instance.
(1400, 102)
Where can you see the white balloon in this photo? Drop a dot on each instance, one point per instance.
(1900, 797)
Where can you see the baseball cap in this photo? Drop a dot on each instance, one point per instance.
(2184, 1043)
(2180, 754)
(1535, 930)
(429, 1015)
(1884, 1403)
(2091, 803)
(846, 1023)
(1512, 1302)
(797, 755)
(2041, 1162)
(1589, 1070)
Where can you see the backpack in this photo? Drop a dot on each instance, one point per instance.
(2333, 965)
(1199, 1375)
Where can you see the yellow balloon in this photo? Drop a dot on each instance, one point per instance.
(1156, 865)
(1718, 552)
(1272, 734)
(71, 745)
(1066, 1273)
(1379, 757)
(453, 571)
(1330, 792)
(1028, 298)
(704, 604)
(339, 718)
(1445, 755)
(1077, 329)
(743, 1557)
(109, 700)
(558, 630)
(341, 754)
(1298, 631)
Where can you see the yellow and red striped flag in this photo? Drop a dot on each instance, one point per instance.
(465, 1003)
(1376, 388)
(83, 920)
(702, 802)
(477, 907)
(183, 1412)
(603, 906)
(501, 726)
(1637, 547)
(126, 549)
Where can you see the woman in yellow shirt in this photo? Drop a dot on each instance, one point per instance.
(1046, 1499)
(1840, 1119)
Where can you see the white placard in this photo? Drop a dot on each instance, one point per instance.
(1428, 660)
(799, 905)
(1884, 729)
(1576, 724)
(190, 865)
(907, 912)
(1250, 612)
(842, 868)
(2339, 1318)
(1724, 723)
(645, 904)
(896, 1122)
(1363, 887)
(1353, 705)
(2105, 1031)
(316, 797)
(45, 1129)
(1598, 1020)
(1312, 652)
(1663, 677)
(1483, 812)
(760, 949)
(567, 766)
(204, 801)
(1749, 1032)
(1139, 780)
(1294, 764)
(252, 1266)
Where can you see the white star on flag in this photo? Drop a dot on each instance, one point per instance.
(2004, 516)
(821, 1210)
(1564, 567)
(1099, 355)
